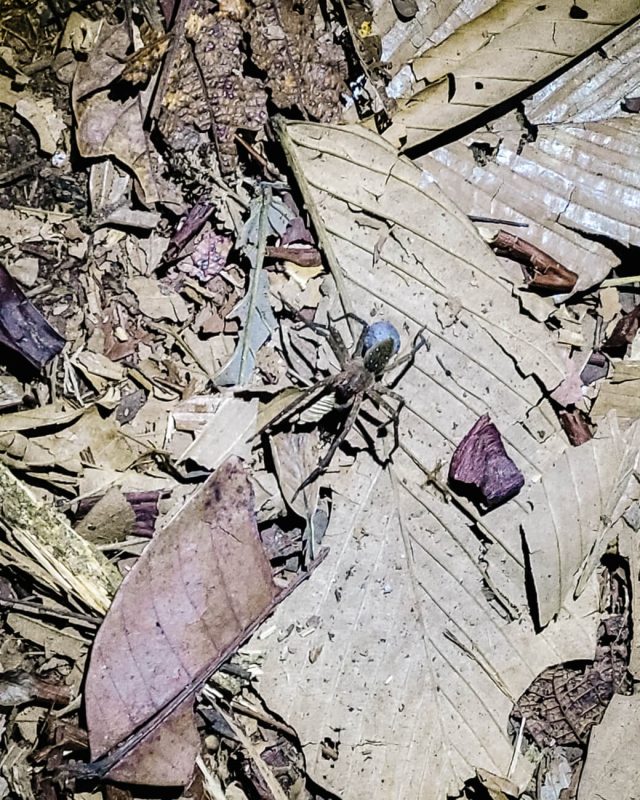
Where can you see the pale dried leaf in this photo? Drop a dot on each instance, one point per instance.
(157, 301)
(585, 174)
(611, 768)
(44, 118)
(413, 654)
(227, 432)
(409, 255)
(593, 89)
(496, 56)
(65, 642)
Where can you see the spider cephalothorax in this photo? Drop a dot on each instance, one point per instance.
(359, 378)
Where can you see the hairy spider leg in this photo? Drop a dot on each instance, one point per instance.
(406, 359)
(309, 394)
(394, 413)
(359, 348)
(332, 335)
(335, 444)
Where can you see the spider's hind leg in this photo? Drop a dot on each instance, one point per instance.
(328, 456)
(393, 412)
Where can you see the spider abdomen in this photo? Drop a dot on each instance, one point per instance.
(381, 341)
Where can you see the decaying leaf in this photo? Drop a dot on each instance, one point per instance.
(210, 90)
(206, 92)
(107, 125)
(541, 271)
(621, 393)
(305, 70)
(198, 590)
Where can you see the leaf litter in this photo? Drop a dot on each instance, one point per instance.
(442, 641)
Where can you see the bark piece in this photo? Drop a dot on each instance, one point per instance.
(541, 271)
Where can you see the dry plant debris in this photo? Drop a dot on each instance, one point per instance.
(196, 198)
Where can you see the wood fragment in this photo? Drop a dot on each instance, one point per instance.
(541, 271)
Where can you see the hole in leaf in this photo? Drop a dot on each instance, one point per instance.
(578, 13)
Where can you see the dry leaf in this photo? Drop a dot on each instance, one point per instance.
(611, 770)
(108, 126)
(199, 587)
(228, 431)
(426, 625)
(496, 56)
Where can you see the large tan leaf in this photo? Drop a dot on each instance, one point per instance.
(426, 635)
(497, 56)
(611, 769)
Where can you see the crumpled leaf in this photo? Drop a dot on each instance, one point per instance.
(496, 56)
(481, 463)
(113, 126)
(197, 590)
(454, 583)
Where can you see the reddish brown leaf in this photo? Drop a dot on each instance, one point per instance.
(197, 591)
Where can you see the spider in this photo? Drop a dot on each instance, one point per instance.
(359, 378)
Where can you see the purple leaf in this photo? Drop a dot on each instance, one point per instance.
(480, 464)
(23, 329)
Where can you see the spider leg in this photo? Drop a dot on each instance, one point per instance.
(331, 334)
(394, 413)
(360, 343)
(327, 457)
(418, 342)
(309, 394)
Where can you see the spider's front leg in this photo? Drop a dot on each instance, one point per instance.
(335, 444)
(328, 332)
